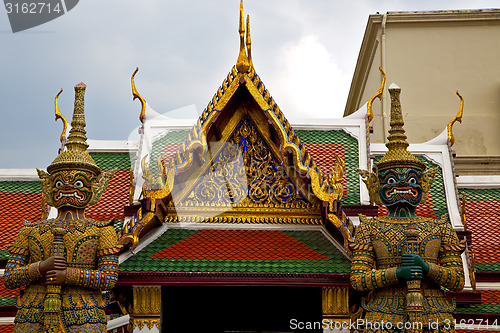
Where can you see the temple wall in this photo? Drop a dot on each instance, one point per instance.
(430, 56)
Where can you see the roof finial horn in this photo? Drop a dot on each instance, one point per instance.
(377, 94)
(242, 63)
(63, 119)
(249, 44)
(136, 94)
(458, 118)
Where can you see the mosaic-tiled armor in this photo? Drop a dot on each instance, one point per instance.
(405, 261)
(65, 263)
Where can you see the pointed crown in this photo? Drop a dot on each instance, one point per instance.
(244, 61)
(75, 156)
(397, 154)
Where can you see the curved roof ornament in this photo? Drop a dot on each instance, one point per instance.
(60, 116)
(136, 94)
(458, 118)
(242, 64)
(377, 94)
(249, 44)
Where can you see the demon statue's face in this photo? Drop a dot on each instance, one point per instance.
(400, 187)
(72, 188)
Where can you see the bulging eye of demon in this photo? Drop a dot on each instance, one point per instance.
(391, 180)
(412, 181)
(78, 184)
(59, 184)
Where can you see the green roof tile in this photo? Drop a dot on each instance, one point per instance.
(31, 186)
(8, 301)
(481, 194)
(108, 161)
(176, 137)
(4, 254)
(118, 225)
(479, 308)
(487, 266)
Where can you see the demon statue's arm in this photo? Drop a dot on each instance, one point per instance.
(364, 276)
(449, 273)
(20, 269)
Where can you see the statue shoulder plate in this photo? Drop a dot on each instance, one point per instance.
(102, 224)
(29, 224)
(365, 219)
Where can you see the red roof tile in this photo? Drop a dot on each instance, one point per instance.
(113, 200)
(6, 328)
(323, 155)
(239, 245)
(169, 150)
(4, 292)
(14, 208)
(483, 220)
(490, 296)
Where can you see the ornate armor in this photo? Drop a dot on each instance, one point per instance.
(92, 267)
(377, 254)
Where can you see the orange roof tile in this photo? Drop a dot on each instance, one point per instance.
(113, 200)
(490, 296)
(6, 328)
(239, 245)
(482, 219)
(323, 154)
(4, 292)
(14, 208)
(168, 151)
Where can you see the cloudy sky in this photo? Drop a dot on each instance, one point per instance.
(305, 51)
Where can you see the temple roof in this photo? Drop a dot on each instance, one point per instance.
(18, 200)
(483, 216)
(239, 250)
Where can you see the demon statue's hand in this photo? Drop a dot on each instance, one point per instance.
(409, 273)
(53, 263)
(56, 277)
(408, 260)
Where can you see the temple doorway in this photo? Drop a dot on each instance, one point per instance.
(241, 309)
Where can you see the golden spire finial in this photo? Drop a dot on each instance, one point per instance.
(397, 154)
(76, 155)
(377, 94)
(77, 140)
(242, 63)
(249, 43)
(137, 95)
(60, 116)
(458, 118)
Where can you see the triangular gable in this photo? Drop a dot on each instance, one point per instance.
(244, 181)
